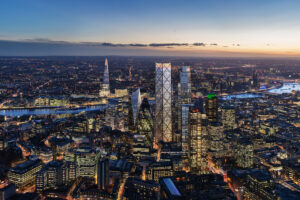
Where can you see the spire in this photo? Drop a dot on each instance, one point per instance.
(104, 90)
(106, 63)
(106, 73)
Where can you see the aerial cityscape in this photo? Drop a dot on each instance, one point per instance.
(139, 114)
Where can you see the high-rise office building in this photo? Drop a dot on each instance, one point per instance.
(185, 126)
(184, 87)
(211, 108)
(244, 153)
(184, 97)
(216, 139)
(145, 122)
(105, 89)
(163, 98)
(103, 174)
(255, 80)
(197, 142)
(136, 103)
(228, 117)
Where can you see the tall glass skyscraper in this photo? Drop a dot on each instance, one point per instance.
(136, 103)
(184, 97)
(104, 90)
(163, 98)
(185, 126)
(184, 87)
(198, 143)
(145, 122)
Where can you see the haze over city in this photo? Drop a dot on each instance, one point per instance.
(165, 28)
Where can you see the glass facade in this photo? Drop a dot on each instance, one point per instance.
(136, 103)
(185, 126)
(105, 90)
(145, 122)
(184, 95)
(163, 98)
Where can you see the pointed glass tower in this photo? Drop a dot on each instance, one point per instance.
(136, 103)
(105, 90)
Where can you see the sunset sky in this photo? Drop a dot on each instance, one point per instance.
(141, 27)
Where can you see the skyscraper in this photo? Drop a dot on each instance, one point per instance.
(103, 174)
(228, 117)
(185, 126)
(136, 103)
(145, 122)
(182, 105)
(216, 139)
(255, 80)
(198, 143)
(163, 98)
(184, 87)
(211, 108)
(105, 90)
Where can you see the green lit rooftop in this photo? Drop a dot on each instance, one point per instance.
(210, 96)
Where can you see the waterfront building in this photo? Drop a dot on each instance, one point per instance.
(105, 88)
(121, 93)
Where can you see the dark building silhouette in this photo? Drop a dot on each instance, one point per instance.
(103, 174)
(211, 108)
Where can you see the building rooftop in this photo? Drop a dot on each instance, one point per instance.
(25, 166)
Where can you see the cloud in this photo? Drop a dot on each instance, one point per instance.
(167, 44)
(138, 45)
(109, 44)
(44, 40)
(199, 44)
(46, 46)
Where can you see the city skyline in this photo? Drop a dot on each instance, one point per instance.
(152, 100)
(168, 28)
